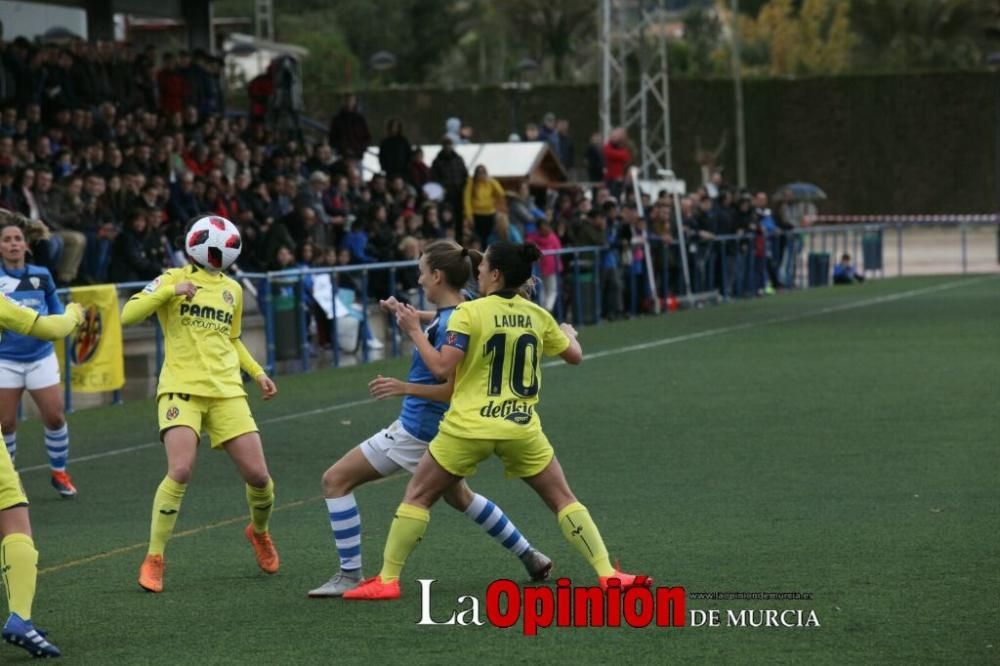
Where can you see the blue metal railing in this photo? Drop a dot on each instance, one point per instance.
(733, 266)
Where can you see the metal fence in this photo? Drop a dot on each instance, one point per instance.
(648, 271)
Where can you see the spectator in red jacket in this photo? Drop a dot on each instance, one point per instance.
(616, 161)
(172, 85)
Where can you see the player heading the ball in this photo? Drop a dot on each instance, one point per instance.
(200, 310)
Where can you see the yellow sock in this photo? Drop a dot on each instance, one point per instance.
(579, 529)
(407, 529)
(260, 501)
(19, 564)
(166, 504)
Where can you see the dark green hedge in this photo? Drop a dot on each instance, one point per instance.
(922, 143)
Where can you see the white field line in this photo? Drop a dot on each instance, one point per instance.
(708, 333)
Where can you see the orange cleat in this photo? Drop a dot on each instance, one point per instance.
(626, 580)
(151, 573)
(374, 589)
(263, 548)
(63, 485)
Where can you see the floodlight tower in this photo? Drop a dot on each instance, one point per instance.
(635, 32)
(263, 18)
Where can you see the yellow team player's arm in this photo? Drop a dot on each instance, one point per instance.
(441, 362)
(561, 341)
(247, 362)
(154, 295)
(20, 319)
(386, 387)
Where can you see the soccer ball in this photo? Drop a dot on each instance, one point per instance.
(213, 243)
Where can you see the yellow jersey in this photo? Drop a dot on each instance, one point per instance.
(15, 317)
(202, 351)
(498, 382)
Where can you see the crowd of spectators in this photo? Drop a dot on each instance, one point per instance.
(108, 151)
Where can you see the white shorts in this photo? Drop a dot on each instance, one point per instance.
(31, 375)
(393, 449)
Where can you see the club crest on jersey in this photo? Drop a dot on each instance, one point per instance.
(35, 282)
(88, 337)
(173, 413)
(227, 296)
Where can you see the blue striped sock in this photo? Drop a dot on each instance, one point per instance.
(495, 522)
(57, 446)
(345, 521)
(10, 441)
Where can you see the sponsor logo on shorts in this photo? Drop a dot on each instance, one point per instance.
(173, 413)
(227, 296)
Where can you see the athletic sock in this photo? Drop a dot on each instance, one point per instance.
(57, 446)
(10, 441)
(345, 521)
(19, 564)
(166, 505)
(579, 529)
(494, 522)
(407, 529)
(261, 502)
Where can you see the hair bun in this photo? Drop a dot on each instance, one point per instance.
(530, 252)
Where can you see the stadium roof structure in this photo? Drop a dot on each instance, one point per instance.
(196, 15)
(510, 163)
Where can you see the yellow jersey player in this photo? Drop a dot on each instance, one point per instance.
(18, 557)
(494, 345)
(200, 388)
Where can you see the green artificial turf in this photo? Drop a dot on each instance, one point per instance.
(842, 442)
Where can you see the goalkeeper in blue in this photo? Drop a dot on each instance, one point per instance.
(401, 446)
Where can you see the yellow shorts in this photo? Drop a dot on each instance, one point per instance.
(521, 457)
(222, 418)
(11, 490)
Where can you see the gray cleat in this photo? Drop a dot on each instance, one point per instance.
(341, 582)
(538, 565)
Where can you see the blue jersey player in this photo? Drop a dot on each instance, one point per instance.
(445, 268)
(29, 363)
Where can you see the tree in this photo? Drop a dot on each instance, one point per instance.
(901, 34)
(560, 26)
(700, 54)
(813, 37)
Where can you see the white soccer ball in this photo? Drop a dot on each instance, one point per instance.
(213, 243)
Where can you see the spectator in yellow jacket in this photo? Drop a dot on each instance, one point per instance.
(483, 198)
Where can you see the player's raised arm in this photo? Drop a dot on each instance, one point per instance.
(54, 327)
(441, 363)
(153, 296)
(389, 305)
(573, 354)
(386, 387)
